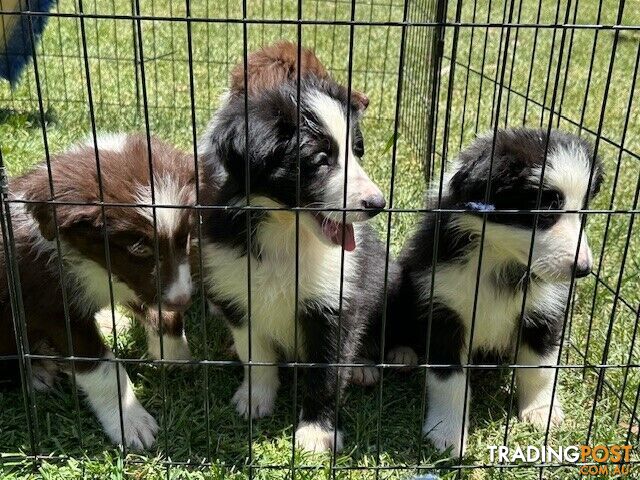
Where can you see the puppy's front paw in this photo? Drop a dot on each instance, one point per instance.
(263, 399)
(539, 416)
(402, 356)
(445, 435)
(365, 375)
(140, 428)
(314, 437)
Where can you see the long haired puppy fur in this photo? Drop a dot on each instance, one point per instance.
(278, 63)
(84, 282)
(446, 307)
(329, 154)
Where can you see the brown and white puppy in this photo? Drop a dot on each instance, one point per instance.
(136, 270)
(275, 64)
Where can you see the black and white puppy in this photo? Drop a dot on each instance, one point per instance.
(449, 305)
(329, 160)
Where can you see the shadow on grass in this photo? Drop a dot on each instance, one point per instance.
(198, 422)
(27, 119)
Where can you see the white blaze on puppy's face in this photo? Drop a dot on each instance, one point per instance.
(336, 227)
(360, 188)
(179, 291)
(568, 171)
(172, 231)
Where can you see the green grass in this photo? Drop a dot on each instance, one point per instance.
(200, 425)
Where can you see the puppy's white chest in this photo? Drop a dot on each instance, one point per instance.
(273, 283)
(494, 317)
(495, 312)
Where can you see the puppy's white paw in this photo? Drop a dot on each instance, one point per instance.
(313, 437)
(44, 375)
(263, 399)
(140, 428)
(444, 435)
(365, 375)
(538, 416)
(174, 347)
(402, 356)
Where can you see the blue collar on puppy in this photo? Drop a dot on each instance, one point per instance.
(480, 207)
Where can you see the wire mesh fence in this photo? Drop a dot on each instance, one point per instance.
(437, 74)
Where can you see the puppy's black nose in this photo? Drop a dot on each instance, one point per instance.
(374, 202)
(582, 270)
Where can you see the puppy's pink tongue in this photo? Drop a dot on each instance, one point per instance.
(334, 231)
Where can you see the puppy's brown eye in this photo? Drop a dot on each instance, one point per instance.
(140, 249)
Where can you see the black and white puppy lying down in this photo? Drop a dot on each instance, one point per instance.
(515, 182)
(327, 157)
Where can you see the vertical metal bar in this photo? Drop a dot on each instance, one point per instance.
(98, 54)
(612, 317)
(526, 282)
(296, 311)
(633, 416)
(198, 212)
(497, 85)
(344, 217)
(634, 79)
(156, 251)
(634, 336)
(533, 58)
(482, 65)
(384, 64)
(582, 225)
(190, 59)
(394, 152)
(567, 69)
(247, 187)
(136, 60)
(154, 55)
(466, 80)
(59, 262)
(440, 18)
(105, 233)
(484, 225)
(612, 58)
(17, 314)
(513, 62)
(437, 47)
(62, 53)
(4, 42)
(115, 46)
(366, 56)
(553, 45)
(587, 87)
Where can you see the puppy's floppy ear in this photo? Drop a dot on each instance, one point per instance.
(272, 125)
(67, 216)
(598, 176)
(227, 140)
(469, 183)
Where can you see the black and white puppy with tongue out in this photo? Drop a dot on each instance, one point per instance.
(329, 328)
